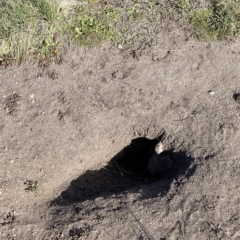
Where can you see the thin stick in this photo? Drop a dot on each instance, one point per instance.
(110, 235)
(142, 227)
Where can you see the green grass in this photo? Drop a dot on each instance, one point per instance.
(94, 24)
(219, 21)
(216, 21)
(28, 27)
(182, 6)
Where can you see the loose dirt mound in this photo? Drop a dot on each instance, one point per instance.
(62, 134)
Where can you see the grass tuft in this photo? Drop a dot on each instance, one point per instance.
(95, 24)
(182, 6)
(27, 27)
(32, 186)
(217, 20)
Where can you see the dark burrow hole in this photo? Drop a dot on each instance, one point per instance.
(129, 168)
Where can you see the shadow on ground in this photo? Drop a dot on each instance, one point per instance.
(124, 172)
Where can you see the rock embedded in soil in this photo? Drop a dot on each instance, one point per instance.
(159, 164)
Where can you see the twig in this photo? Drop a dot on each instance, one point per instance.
(141, 226)
(182, 119)
(110, 235)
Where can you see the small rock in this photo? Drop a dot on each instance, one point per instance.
(159, 164)
(119, 75)
(159, 148)
(120, 46)
(211, 92)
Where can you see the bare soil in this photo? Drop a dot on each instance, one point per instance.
(67, 126)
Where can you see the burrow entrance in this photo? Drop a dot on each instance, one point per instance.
(134, 165)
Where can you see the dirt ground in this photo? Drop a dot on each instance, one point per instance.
(65, 124)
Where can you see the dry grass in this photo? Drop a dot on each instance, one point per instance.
(29, 27)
